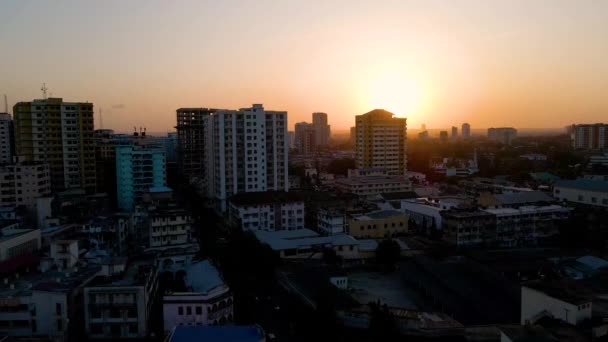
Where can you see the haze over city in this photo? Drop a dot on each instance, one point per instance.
(532, 64)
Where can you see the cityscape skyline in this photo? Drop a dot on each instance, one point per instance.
(310, 61)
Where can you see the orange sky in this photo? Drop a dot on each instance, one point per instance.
(491, 63)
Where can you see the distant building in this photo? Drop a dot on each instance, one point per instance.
(590, 136)
(307, 244)
(205, 301)
(17, 242)
(118, 303)
(534, 157)
(423, 135)
(322, 129)
(503, 135)
(23, 182)
(70, 151)
(599, 160)
(373, 185)
(554, 299)
(454, 135)
(270, 211)
(137, 170)
(353, 137)
(191, 143)
(466, 131)
(582, 191)
(331, 221)
(382, 142)
(378, 224)
(467, 227)
(247, 151)
(513, 199)
(7, 138)
(443, 136)
(291, 137)
(65, 253)
(305, 138)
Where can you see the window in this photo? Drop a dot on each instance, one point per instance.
(180, 310)
(593, 200)
(58, 308)
(199, 310)
(189, 310)
(59, 325)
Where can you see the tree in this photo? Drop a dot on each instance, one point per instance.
(388, 253)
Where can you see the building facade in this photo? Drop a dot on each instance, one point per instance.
(540, 299)
(322, 129)
(247, 151)
(191, 142)
(22, 183)
(582, 191)
(137, 170)
(305, 138)
(7, 145)
(378, 224)
(590, 136)
(60, 134)
(466, 131)
(170, 227)
(331, 221)
(503, 135)
(381, 141)
(468, 228)
(268, 211)
(373, 185)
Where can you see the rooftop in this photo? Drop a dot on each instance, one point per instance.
(136, 274)
(584, 184)
(373, 180)
(282, 241)
(523, 197)
(378, 215)
(531, 209)
(567, 291)
(225, 333)
(203, 277)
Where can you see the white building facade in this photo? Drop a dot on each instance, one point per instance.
(536, 302)
(582, 191)
(22, 183)
(267, 211)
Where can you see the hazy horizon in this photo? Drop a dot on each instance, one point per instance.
(489, 63)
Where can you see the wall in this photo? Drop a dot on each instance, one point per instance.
(534, 302)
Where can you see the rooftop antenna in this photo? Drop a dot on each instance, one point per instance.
(44, 89)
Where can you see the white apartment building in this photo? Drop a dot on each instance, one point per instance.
(65, 253)
(590, 136)
(208, 300)
(582, 191)
(22, 183)
(6, 138)
(331, 221)
(170, 227)
(246, 152)
(268, 211)
(61, 134)
(373, 185)
(554, 299)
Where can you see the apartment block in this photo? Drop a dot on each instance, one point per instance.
(138, 169)
(170, 227)
(305, 138)
(468, 227)
(23, 182)
(582, 191)
(590, 136)
(381, 142)
(321, 128)
(190, 142)
(60, 134)
(246, 152)
(267, 211)
(7, 139)
(503, 135)
(378, 224)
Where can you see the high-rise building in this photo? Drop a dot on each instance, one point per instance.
(353, 137)
(7, 145)
(443, 136)
(23, 182)
(504, 135)
(246, 152)
(466, 131)
(590, 136)
(306, 138)
(61, 134)
(382, 141)
(291, 138)
(138, 170)
(423, 135)
(454, 133)
(322, 129)
(191, 143)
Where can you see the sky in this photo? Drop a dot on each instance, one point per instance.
(532, 64)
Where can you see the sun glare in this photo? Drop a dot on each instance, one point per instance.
(394, 93)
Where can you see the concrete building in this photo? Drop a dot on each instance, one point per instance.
(305, 138)
(269, 211)
(513, 199)
(118, 304)
(291, 138)
(247, 152)
(382, 141)
(373, 185)
(7, 139)
(582, 191)
(378, 224)
(426, 211)
(454, 135)
(352, 137)
(554, 299)
(322, 129)
(60, 134)
(423, 135)
(331, 221)
(23, 182)
(599, 160)
(307, 244)
(170, 227)
(503, 135)
(589, 136)
(466, 131)
(137, 170)
(191, 143)
(467, 227)
(443, 136)
(526, 225)
(64, 253)
(16, 242)
(206, 301)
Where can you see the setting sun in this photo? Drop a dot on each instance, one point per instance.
(395, 93)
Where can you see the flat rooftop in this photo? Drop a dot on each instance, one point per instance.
(568, 291)
(136, 274)
(378, 215)
(303, 238)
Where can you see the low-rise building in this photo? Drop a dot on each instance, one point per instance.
(373, 185)
(270, 211)
(206, 301)
(21, 183)
(15, 242)
(119, 304)
(307, 244)
(64, 253)
(534, 157)
(331, 221)
(468, 227)
(513, 199)
(170, 227)
(378, 224)
(424, 213)
(582, 191)
(559, 300)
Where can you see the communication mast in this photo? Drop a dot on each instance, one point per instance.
(44, 89)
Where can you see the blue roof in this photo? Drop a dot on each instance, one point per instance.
(584, 184)
(203, 277)
(224, 333)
